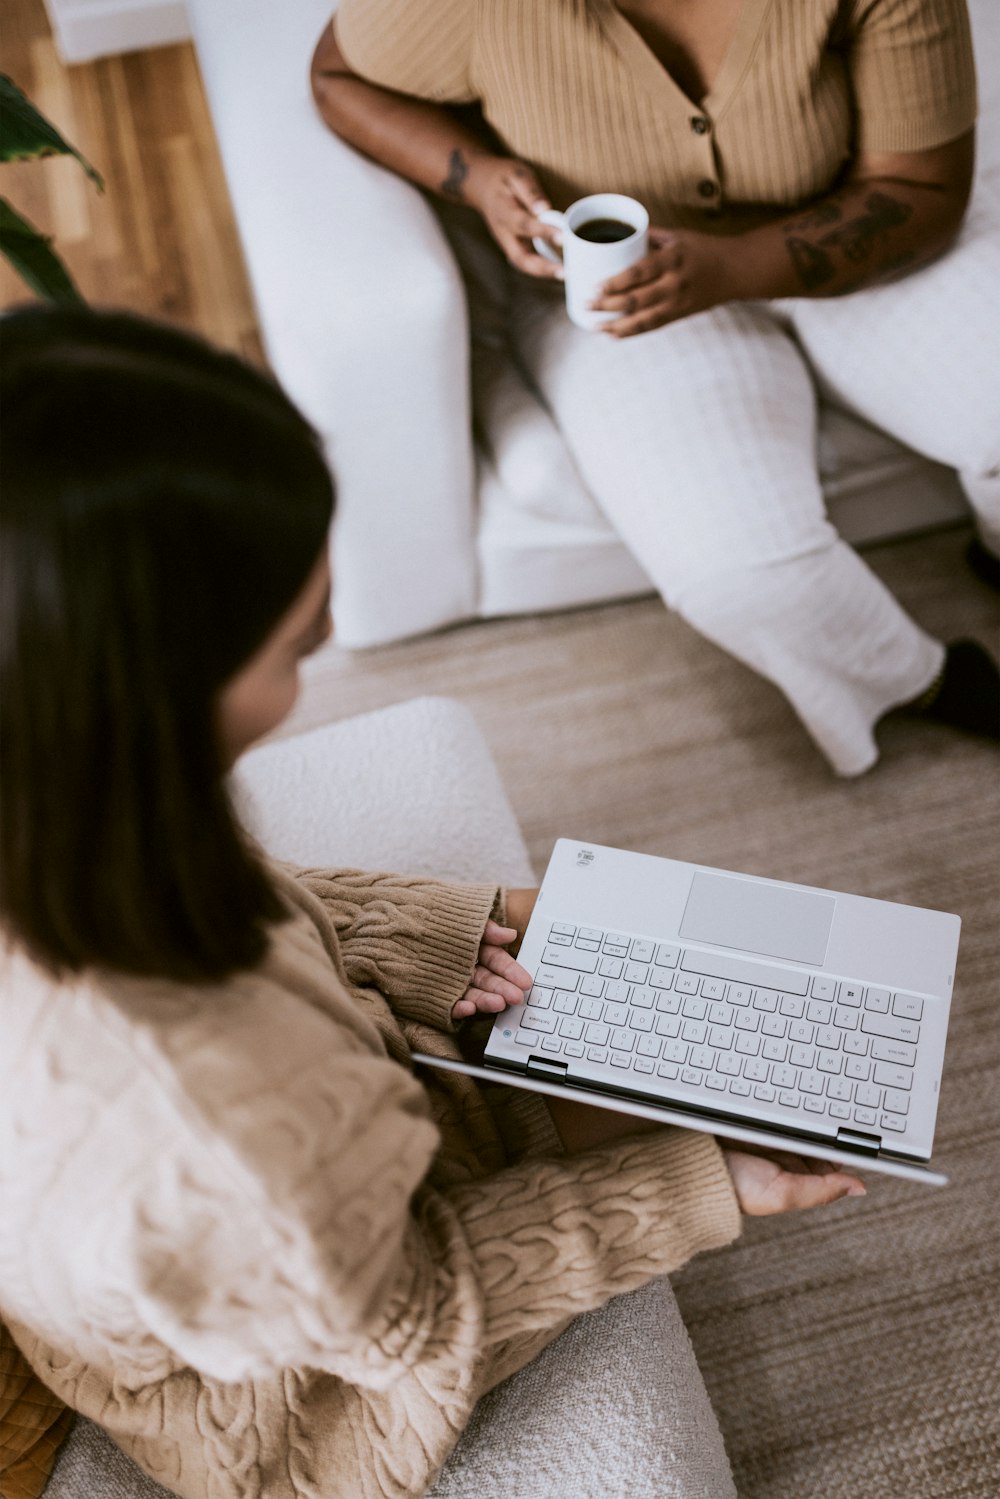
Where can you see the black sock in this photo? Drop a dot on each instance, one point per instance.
(984, 563)
(967, 692)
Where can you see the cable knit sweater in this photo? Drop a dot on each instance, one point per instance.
(237, 1231)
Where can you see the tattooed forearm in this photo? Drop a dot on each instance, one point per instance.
(814, 266)
(458, 170)
(854, 240)
(857, 237)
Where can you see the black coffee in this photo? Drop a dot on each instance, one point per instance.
(604, 231)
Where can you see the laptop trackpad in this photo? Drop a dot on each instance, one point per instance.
(757, 917)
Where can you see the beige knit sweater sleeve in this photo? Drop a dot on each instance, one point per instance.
(314, 1241)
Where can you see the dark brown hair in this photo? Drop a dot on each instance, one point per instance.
(161, 506)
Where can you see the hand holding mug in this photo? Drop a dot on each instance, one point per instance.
(508, 195)
(600, 235)
(685, 272)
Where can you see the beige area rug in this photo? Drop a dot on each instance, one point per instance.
(852, 1353)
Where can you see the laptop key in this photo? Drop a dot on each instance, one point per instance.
(895, 1122)
(597, 1054)
(859, 1068)
(565, 1004)
(865, 1116)
(641, 1020)
(747, 1044)
(642, 1064)
(907, 1008)
(621, 1039)
(574, 1048)
(551, 1043)
(713, 1080)
(739, 994)
(892, 1076)
(563, 957)
(792, 1007)
(900, 1052)
(811, 1082)
(641, 997)
(648, 1046)
(571, 1028)
(675, 1051)
(756, 1069)
(611, 968)
(819, 1012)
(593, 986)
(694, 1030)
(642, 951)
(891, 1028)
(635, 973)
(590, 1009)
(840, 1111)
(661, 978)
(667, 954)
(701, 1056)
(620, 1059)
(556, 978)
(558, 940)
(562, 929)
(536, 1022)
(728, 1064)
(743, 971)
(802, 1056)
(877, 1000)
(540, 999)
(586, 946)
(740, 1088)
(823, 988)
(668, 1025)
(846, 1019)
(868, 1095)
(814, 1105)
(840, 1088)
(598, 1035)
(896, 1102)
(687, 983)
(773, 1025)
(789, 1099)
(783, 1077)
(857, 1046)
(775, 1051)
(616, 1014)
(764, 1092)
(616, 992)
(850, 994)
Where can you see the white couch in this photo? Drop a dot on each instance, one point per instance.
(364, 318)
(615, 1408)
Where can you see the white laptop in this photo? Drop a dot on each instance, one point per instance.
(772, 1014)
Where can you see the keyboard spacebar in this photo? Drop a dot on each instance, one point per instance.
(715, 966)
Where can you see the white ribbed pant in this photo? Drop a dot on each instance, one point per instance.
(699, 443)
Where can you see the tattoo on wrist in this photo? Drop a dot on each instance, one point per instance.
(458, 170)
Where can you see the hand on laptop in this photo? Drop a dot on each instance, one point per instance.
(498, 980)
(778, 1182)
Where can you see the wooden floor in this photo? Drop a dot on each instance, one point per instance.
(161, 238)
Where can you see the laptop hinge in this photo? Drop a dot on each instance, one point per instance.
(855, 1139)
(542, 1067)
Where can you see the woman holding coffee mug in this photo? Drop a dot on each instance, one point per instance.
(806, 168)
(235, 1230)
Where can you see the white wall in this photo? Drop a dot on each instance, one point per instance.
(85, 29)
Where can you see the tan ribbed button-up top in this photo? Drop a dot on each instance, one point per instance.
(571, 87)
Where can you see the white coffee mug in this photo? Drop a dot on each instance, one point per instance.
(587, 263)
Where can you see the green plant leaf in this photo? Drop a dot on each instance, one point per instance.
(32, 256)
(26, 135)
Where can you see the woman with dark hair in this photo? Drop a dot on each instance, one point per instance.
(234, 1229)
(806, 165)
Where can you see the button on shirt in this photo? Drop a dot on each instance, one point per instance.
(573, 89)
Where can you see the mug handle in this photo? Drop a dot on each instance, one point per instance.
(554, 217)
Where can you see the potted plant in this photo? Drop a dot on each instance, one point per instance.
(26, 135)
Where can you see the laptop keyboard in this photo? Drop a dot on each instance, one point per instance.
(728, 1028)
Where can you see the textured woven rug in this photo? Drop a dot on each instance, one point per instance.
(852, 1353)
